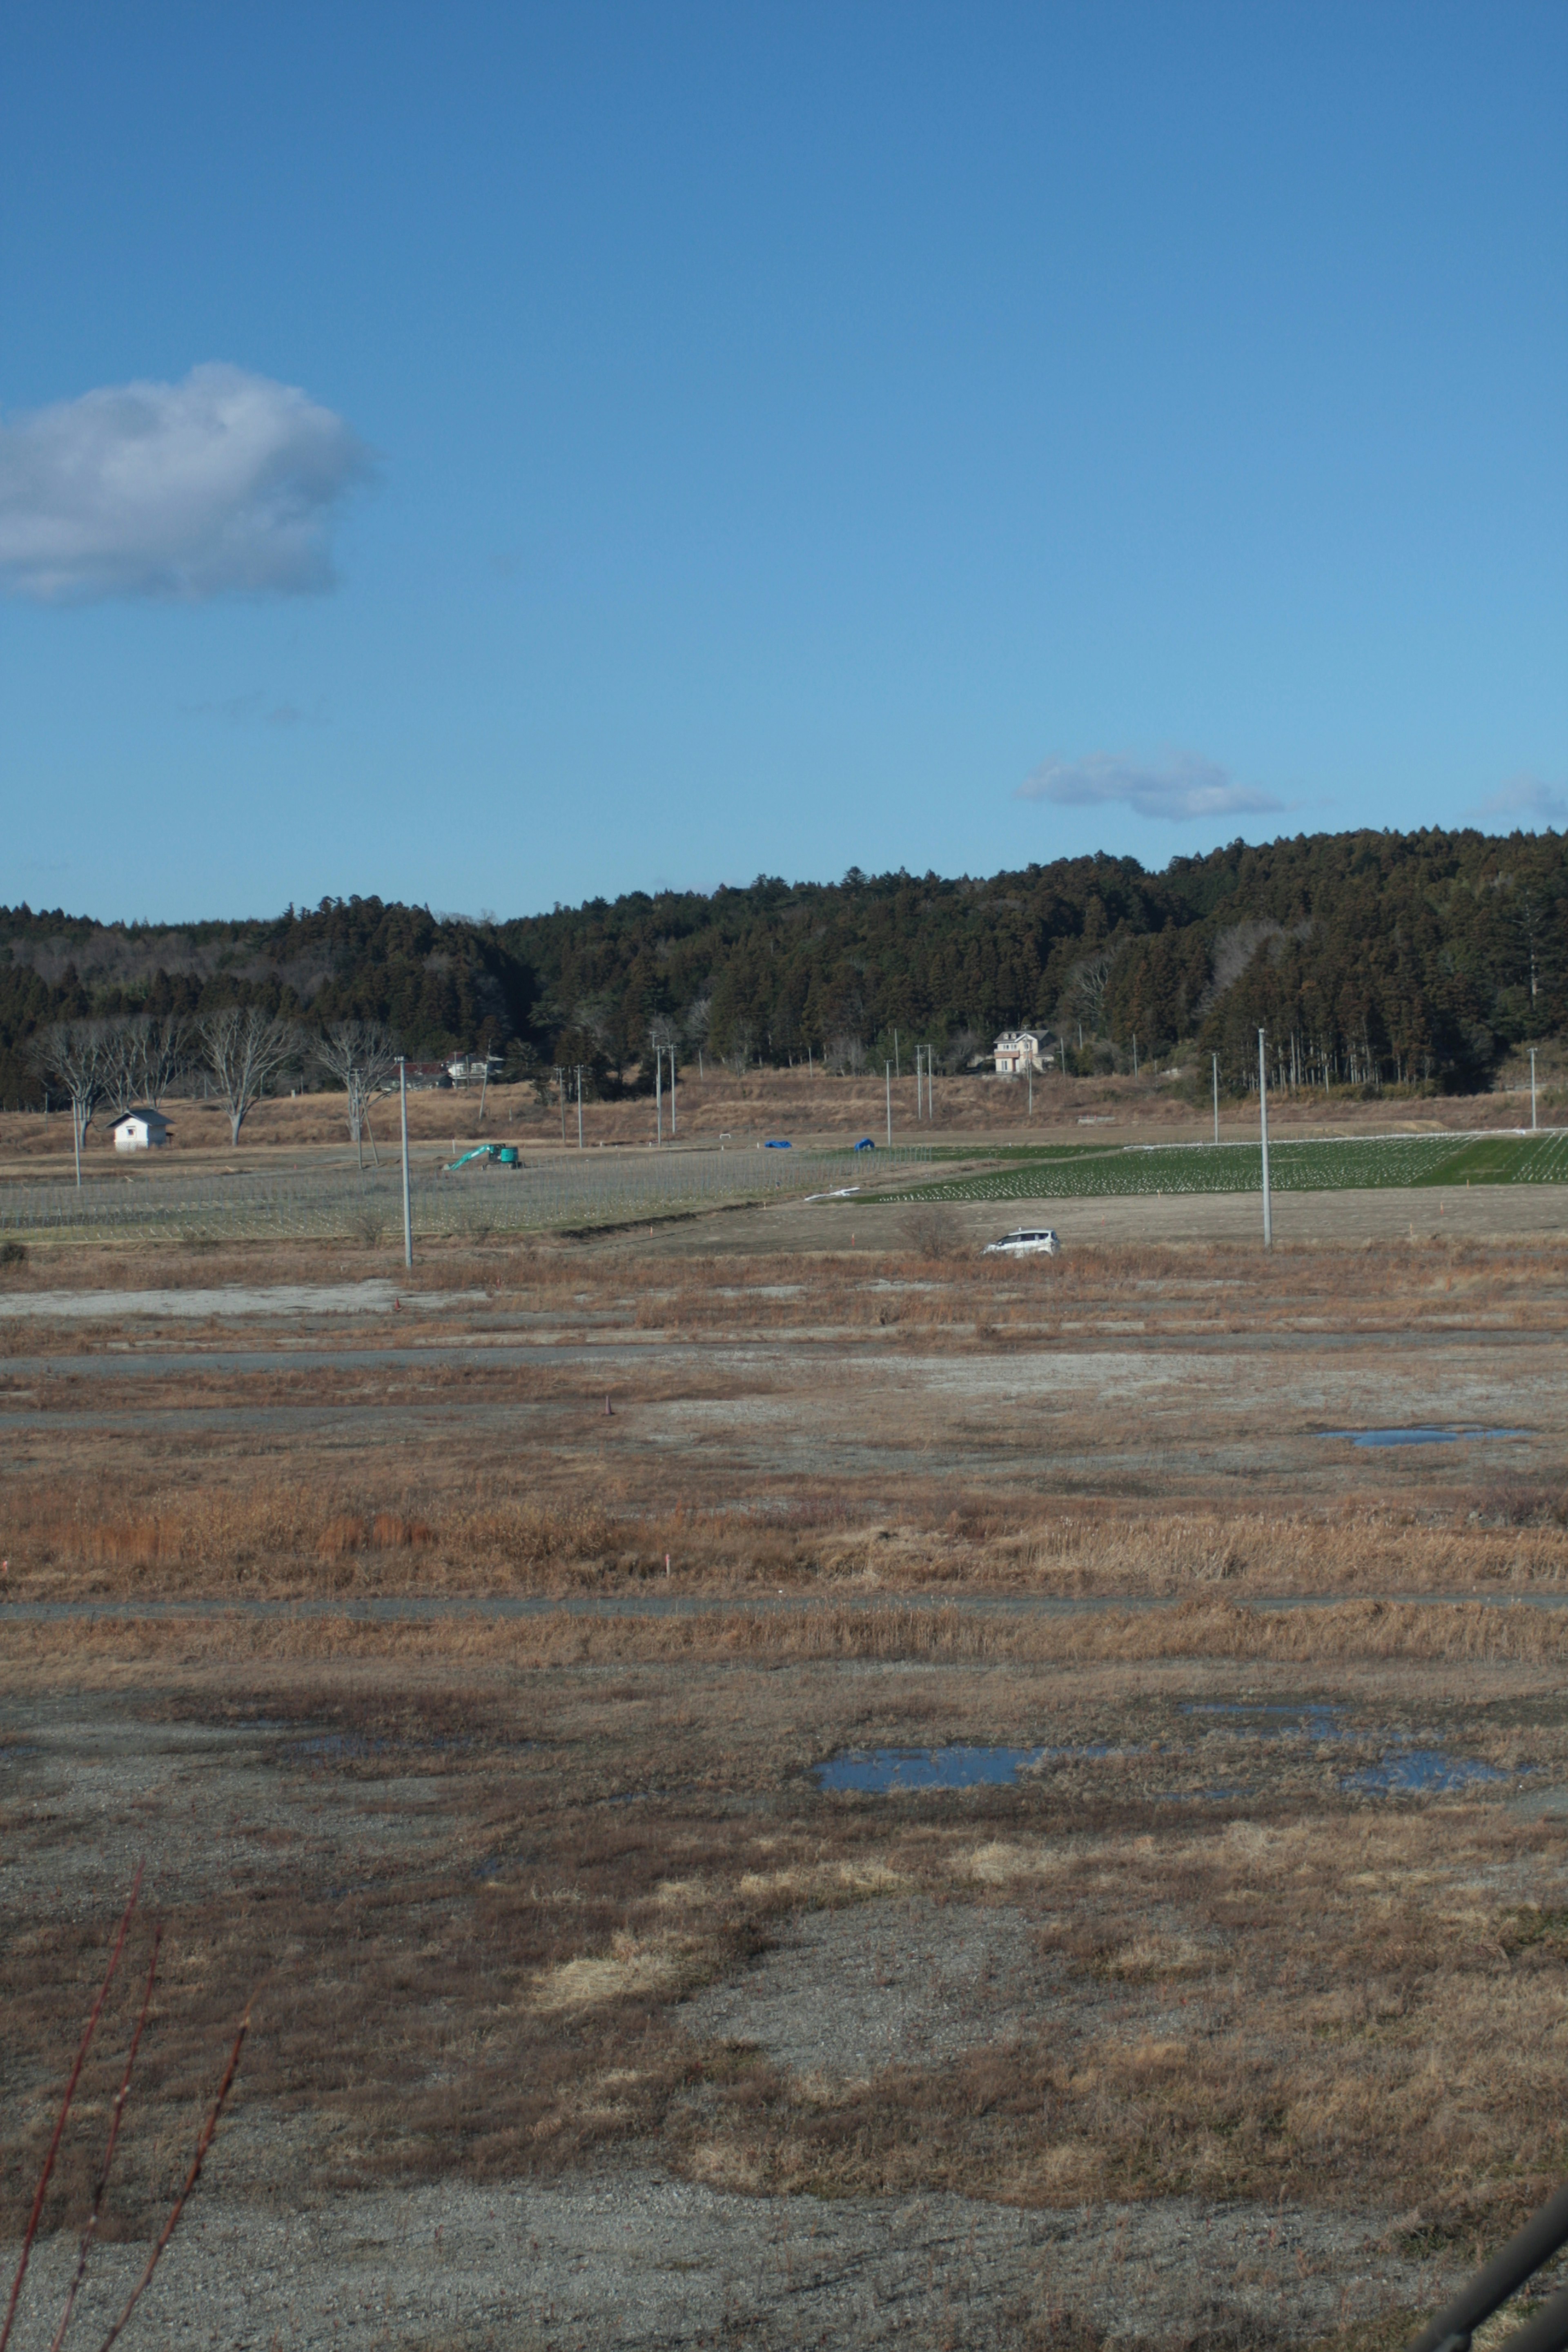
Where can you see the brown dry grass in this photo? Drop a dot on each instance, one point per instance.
(106, 1651)
(526, 1485)
(1305, 1996)
(253, 1541)
(1297, 1991)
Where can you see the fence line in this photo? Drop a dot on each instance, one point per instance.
(474, 1202)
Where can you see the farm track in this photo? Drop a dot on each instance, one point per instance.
(391, 1609)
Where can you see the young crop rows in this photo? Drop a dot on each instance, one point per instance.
(473, 1203)
(1345, 1164)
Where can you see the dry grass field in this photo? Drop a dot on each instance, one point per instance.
(464, 1651)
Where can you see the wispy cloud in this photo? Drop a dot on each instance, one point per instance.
(1178, 786)
(223, 485)
(1523, 803)
(258, 708)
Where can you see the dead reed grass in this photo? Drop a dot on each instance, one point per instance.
(314, 1535)
(110, 1650)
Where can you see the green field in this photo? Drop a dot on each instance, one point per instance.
(1348, 1164)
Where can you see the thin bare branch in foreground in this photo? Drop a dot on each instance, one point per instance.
(203, 2144)
(98, 2195)
(44, 2176)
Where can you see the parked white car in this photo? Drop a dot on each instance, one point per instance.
(1025, 1240)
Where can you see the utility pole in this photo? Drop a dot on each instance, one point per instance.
(1214, 1059)
(897, 1072)
(579, 1106)
(1262, 1114)
(672, 1093)
(1533, 1090)
(658, 1087)
(888, 1081)
(560, 1090)
(403, 1114)
(1031, 1069)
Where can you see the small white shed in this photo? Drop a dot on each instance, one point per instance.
(143, 1129)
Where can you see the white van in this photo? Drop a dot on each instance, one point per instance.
(1025, 1240)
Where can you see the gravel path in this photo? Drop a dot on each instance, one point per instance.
(232, 1299)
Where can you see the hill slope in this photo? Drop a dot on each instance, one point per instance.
(1420, 955)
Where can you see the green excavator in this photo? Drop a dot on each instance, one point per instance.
(504, 1155)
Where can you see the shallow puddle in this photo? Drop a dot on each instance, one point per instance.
(1421, 1772)
(1403, 1770)
(1417, 1436)
(955, 1766)
(879, 1768)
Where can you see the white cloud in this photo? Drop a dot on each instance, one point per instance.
(222, 484)
(1524, 804)
(1180, 787)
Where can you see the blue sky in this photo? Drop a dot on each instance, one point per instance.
(496, 455)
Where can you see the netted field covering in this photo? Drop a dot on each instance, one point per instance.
(1341, 1164)
(555, 1192)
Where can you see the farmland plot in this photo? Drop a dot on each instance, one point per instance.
(470, 1203)
(1344, 1164)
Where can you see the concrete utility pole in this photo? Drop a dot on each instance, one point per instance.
(1214, 1059)
(658, 1089)
(1031, 1067)
(579, 1106)
(560, 1090)
(1263, 1113)
(672, 1093)
(1533, 1090)
(888, 1081)
(403, 1114)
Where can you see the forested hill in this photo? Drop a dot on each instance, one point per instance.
(1392, 955)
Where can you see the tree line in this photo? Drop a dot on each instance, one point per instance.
(1369, 958)
(119, 1060)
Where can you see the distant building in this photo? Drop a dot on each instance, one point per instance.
(141, 1130)
(1018, 1051)
(467, 1069)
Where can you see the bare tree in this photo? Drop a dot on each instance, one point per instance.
(698, 1019)
(845, 1055)
(162, 1049)
(74, 1056)
(1085, 997)
(243, 1048)
(963, 1046)
(121, 1066)
(361, 1057)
